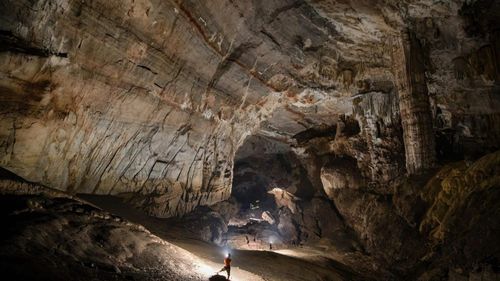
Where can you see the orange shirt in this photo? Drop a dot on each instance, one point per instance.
(227, 262)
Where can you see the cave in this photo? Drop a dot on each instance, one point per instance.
(266, 140)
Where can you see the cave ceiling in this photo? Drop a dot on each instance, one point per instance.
(154, 98)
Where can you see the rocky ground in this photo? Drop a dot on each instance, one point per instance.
(49, 235)
(354, 132)
(268, 265)
(53, 236)
(441, 226)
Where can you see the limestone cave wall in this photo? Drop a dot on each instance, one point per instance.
(150, 100)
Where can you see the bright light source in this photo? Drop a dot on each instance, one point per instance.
(206, 270)
(226, 252)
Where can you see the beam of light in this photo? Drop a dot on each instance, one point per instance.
(206, 270)
(226, 252)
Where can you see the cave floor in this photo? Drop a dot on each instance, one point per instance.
(284, 264)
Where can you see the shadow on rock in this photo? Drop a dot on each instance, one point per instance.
(217, 277)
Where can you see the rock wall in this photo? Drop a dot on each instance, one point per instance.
(151, 99)
(154, 101)
(114, 98)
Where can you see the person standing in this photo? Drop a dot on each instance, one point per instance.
(227, 266)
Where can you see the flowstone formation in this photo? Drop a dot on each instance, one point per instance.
(369, 129)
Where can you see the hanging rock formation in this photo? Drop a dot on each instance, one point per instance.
(150, 99)
(371, 128)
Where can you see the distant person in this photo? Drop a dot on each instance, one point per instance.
(227, 266)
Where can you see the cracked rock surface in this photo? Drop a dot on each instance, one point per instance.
(151, 99)
(369, 129)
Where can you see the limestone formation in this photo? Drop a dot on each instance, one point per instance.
(366, 130)
(151, 99)
(340, 174)
(267, 216)
(409, 67)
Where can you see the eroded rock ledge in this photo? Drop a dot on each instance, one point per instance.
(153, 98)
(338, 112)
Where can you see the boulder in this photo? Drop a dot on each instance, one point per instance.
(267, 216)
(340, 174)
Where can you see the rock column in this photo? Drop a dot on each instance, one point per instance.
(416, 119)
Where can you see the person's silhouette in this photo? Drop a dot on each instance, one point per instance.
(227, 266)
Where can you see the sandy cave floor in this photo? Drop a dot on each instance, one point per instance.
(248, 265)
